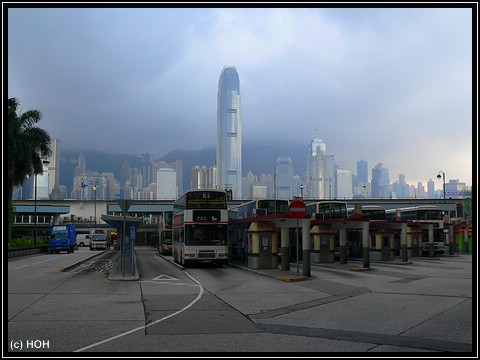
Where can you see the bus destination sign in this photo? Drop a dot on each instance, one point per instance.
(206, 215)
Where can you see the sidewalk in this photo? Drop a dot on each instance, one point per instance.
(127, 272)
(351, 265)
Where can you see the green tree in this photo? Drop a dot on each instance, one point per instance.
(27, 146)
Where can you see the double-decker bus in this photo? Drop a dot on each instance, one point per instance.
(424, 214)
(325, 210)
(260, 207)
(200, 227)
(165, 242)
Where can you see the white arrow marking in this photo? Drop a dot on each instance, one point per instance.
(164, 277)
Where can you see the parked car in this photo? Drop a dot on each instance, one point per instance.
(99, 241)
(165, 247)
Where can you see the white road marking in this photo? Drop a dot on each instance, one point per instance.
(164, 277)
(199, 295)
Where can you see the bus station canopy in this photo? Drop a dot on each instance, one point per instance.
(117, 220)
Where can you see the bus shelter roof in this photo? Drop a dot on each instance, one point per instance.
(117, 221)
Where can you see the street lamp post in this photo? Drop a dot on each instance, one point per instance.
(95, 203)
(439, 177)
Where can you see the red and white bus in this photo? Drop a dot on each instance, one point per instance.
(200, 227)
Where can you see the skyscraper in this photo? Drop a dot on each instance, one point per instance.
(229, 132)
(284, 178)
(362, 172)
(320, 171)
(380, 182)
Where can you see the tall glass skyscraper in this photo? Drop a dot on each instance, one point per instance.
(284, 178)
(380, 182)
(320, 171)
(229, 132)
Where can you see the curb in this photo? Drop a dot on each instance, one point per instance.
(289, 279)
(68, 267)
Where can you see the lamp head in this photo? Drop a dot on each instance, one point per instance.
(439, 176)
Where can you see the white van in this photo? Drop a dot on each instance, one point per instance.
(83, 237)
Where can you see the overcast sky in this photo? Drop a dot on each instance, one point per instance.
(386, 85)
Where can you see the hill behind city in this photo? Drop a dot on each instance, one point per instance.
(257, 158)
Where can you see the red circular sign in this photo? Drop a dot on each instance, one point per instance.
(297, 209)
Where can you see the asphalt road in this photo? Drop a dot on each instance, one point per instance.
(423, 306)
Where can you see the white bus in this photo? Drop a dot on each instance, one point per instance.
(200, 227)
(371, 212)
(327, 209)
(424, 214)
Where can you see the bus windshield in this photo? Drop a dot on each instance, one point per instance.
(205, 235)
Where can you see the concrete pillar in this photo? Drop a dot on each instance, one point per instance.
(403, 242)
(305, 223)
(285, 248)
(366, 244)
(445, 238)
(430, 241)
(343, 245)
(253, 251)
(451, 248)
(315, 253)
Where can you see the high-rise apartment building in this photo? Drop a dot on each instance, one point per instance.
(202, 177)
(166, 184)
(54, 165)
(344, 184)
(229, 132)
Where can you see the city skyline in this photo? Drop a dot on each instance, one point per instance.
(361, 79)
(350, 183)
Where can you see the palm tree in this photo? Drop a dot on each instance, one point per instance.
(27, 145)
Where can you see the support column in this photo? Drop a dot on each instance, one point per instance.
(285, 249)
(451, 249)
(343, 245)
(132, 250)
(366, 244)
(430, 241)
(306, 246)
(403, 241)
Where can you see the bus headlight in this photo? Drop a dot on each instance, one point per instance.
(189, 255)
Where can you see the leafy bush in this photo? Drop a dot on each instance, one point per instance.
(25, 243)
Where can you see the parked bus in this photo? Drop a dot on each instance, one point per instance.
(165, 242)
(200, 227)
(324, 210)
(424, 214)
(259, 207)
(371, 212)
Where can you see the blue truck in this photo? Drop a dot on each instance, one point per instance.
(62, 238)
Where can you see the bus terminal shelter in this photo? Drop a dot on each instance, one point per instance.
(126, 228)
